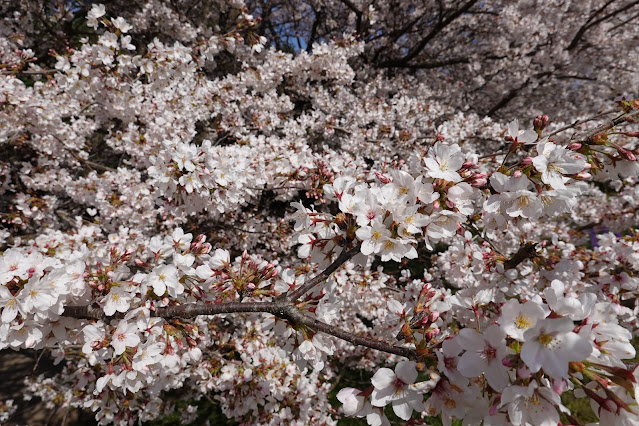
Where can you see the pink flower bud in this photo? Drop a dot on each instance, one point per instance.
(523, 372)
(628, 155)
(559, 386)
(540, 122)
(509, 361)
(583, 175)
(382, 178)
(526, 161)
(517, 174)
(494, 406)
(430, 334)
(478, 183)
(574, 146)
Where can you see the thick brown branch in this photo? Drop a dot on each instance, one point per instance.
(578, 122)
(29, 72)
(281, 309)
(180, 311)
(296, 316)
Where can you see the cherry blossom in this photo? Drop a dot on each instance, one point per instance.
(484, 354)
(552, 344)
(125, 335)
(393, 387)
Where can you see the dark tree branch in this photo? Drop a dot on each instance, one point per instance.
(506, 99)
(526, 251)
(447, 20)
(440, 63)
(28, 72)
(179, 311)
(281, 309)
(294, 314)
(590, 23)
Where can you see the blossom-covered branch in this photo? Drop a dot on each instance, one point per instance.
(239, 200)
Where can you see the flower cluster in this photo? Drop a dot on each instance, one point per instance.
(191, 201)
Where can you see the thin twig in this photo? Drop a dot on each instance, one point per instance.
(322, 276)
(589, 136)
(35, 366)
(491, 155)
(578, 122)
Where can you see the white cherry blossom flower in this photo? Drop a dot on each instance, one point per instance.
(36, 295)
(353, 402)
(521, 136)
(118, 299)
(10, 305)
(393, 387)
(163, 279)
(443, 161)
(484, 354)
(555, 161)
(126, 335)
(94, 336)
(551, 344)
(97, 11)
(532, 405)
(516, 318)
(147, 355)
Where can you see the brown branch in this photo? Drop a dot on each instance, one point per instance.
(180, 311)
(281, 309)
(31, 72)
(512, 94)
(526, 251)
(294, 314)
(440, 63)
(322, 276)
(590, 135)
(578, 122)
